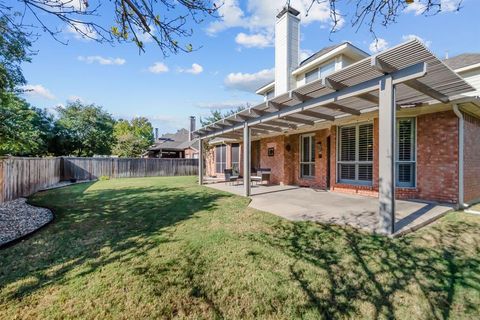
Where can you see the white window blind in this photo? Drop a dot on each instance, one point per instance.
(236, 158)
(311, 75)
(355, 149)
(406, 152)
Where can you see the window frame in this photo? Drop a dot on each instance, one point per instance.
(310, 163)
(222, 160)
(233, 160)
(356, 162)
(413, 184)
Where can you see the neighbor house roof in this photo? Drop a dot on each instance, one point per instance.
(175, 141)
(320, 53)
(463, 60)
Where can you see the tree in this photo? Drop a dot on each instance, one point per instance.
(24, 130)
(132, 138)
(14, 49)
(83, 130)
(168, 22)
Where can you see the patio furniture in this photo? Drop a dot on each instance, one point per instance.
(264, 174)
(229, 176)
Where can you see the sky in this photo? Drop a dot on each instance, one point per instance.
(235, 57)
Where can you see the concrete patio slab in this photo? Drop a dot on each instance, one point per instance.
(297, 204)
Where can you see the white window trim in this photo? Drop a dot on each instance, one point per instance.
(301, 155)
(356, 162)
(415, 119)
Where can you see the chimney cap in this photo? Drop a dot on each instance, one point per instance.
(288, 9)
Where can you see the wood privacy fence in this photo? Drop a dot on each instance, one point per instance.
(20, 177)
(24, 176)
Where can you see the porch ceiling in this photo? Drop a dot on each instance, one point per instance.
(350, 91)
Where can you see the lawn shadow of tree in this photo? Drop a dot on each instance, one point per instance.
(362, 268)
(129, 221)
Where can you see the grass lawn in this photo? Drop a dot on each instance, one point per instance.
(165, 247)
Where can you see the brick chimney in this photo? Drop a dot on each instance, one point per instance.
(287, 47)
(192, 127)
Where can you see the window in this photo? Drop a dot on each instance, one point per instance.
(321, 72)
(220, 158)
(270, 94)
(355, 150)
(311, 75)
(236, 158)
(327, 69)
(307, 156)
(406, 152)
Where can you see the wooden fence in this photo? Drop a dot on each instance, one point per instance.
(94, 168)
(21, 177)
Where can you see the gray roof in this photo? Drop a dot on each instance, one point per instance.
(462, 60)
(175, 141)
(320, 53)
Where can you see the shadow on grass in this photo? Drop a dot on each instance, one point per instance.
(127, 221)
(358, 269)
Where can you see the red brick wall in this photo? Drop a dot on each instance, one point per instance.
(437, 157)
(277, 162)
(190, 153)
(471, 171)
(210, 168)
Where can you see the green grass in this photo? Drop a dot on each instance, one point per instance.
(165, 247)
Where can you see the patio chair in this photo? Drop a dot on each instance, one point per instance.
(229, 176)
(255, 177)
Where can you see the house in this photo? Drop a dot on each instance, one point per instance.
(401, 124)
(177, 145)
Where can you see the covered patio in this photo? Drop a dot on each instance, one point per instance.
(361, 212)
(405, 76)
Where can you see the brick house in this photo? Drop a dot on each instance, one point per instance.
(401, 124)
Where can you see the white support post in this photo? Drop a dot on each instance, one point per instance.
(200, 161)
(386, 155)
(246, 159)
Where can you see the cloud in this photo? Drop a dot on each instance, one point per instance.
(80, 5)
(101, 60)
(231, 104)
(82, 31)
(254, 40)
(37, 90)
(419, 8)
(378, 45)
(74, 98)
(259, 17)
(158, 67)
(195, 69)
(249, 82)
(409, 37)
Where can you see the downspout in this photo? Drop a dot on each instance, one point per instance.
(461, 126)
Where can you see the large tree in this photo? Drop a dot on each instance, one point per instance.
(169, 22)
(83, 130)
(132, 138)
(24, 130)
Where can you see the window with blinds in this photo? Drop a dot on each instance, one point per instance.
(236, 158)
(355, 154)
(307, 156)
(311, 75)
(406, 152)
(220, 158)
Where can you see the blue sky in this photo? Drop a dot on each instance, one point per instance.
(236, 56)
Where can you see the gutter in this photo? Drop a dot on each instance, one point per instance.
(461, 129)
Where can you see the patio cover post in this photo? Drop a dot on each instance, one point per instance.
(246, 159)
(386, 155)
(200, 161)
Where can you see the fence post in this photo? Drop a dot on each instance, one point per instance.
(2, 187)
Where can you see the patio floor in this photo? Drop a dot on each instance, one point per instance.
(296, 203)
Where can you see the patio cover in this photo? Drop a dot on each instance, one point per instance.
(405, 75)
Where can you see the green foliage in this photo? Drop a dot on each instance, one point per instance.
(24, 130)
(104, 178)
(132, 138)
(14, 46)
(216, 115)
(83, 130)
